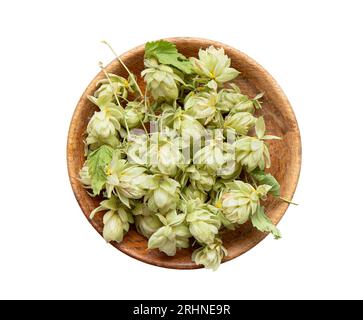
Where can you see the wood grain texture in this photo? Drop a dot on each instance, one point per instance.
(285, 154)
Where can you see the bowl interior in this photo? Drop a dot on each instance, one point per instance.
(285, 154)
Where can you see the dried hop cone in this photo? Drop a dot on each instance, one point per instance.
(103, 127)
(214, 64)
(146, 221)
(253, 152)
(128, 181)
(192, 193)
(240, 122)
(116, 220)
(161, 81)
(203, 220)
(240, 200)
(163, 194)
(199, 178)
(211, 255)
(229, 99)
(164, 154)
(133, 114)
(174, 234)
(201, 106)
(186, 125)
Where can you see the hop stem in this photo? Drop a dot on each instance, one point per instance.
(288, 201)
(126, 68)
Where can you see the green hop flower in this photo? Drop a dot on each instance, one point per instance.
(137, 149)
(103, 124)
(253, 152)
(103, 128)
(129, 181)
(164, 153)
(174, 234)
(161, 81)
(210, 157)
(241, 122)
(186, 125)
(133, 114)
(201, 106)
(119, 86)
(199, 178)
(228, 99)
(147, 225)
(116, 220)
(146, 221)
(214, 64)
(211, 255)
(202, 219)
(192, 193)
(163, 195)
(240, 200)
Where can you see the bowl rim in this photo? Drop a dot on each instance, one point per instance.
(259, 69)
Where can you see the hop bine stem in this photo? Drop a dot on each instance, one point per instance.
(126, 68)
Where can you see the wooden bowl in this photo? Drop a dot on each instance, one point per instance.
(285, 154)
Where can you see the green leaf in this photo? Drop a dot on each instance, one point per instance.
(262, 222)
(166, 53)
(97, 161)
(267, 178)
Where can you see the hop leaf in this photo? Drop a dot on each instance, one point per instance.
(261, 222)
(267, 178)
(97, 162)
(166, 53)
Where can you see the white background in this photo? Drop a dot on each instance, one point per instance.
(49, 52)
